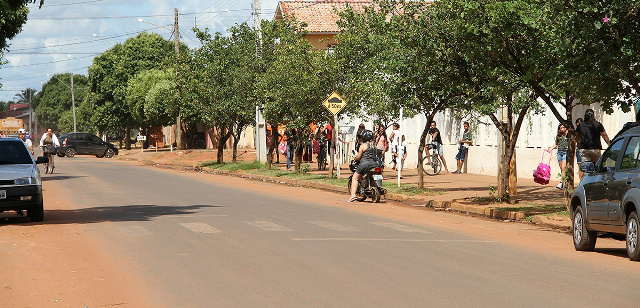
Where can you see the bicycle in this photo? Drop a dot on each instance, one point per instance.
(436, 165)
(50, 152)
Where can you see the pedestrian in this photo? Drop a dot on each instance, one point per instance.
(562, 143)
(463, 147)
(2, 135)
(22, 133)
(396, 137)
(382, 143)
(401, 154)
(290, 138)
(434, 137)
(358, 137)
(282, 144)
(329, 134)
(589, 133)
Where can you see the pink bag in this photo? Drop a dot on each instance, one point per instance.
(542, 174)
(282, 147)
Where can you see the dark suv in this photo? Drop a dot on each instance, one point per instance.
(85, 143)
(608, 197)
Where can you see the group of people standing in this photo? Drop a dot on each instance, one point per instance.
(316, 139)
(588, 144)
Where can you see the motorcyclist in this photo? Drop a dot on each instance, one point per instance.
(368, 160)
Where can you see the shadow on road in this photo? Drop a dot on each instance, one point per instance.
(138, 212)
(616, 252)
(54, 177)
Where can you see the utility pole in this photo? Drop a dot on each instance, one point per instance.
(261, 126)
(176, 39)
(73, 105)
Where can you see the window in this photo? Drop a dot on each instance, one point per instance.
(610, 156)
(630, 159)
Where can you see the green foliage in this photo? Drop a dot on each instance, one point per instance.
(109, 77)
(147, 94)
(54, 101)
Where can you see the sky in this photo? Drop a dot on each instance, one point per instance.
(65, 35)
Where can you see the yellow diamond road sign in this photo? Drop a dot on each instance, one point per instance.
(334, 103)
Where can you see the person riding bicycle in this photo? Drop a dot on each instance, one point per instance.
(22, 133)
(49, 139)
(368, 160)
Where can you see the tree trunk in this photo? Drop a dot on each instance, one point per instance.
(127, 138)
(421, 148)
(236, 140)
(224, 136)
(296, 151)
(273, 147)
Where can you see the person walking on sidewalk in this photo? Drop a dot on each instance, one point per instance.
(562, 143)
(382, 143)
(589, 132)
(463, 147)
(395, 137)
(435, 138)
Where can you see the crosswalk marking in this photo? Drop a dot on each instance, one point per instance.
(399, 227)
(134, 231)
(268, 226)
(333, 226)
(200, 227)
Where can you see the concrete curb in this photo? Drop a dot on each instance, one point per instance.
(483, 211)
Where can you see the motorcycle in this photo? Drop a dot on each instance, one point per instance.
(370, 183)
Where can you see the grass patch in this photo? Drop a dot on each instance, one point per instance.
(259, 169)
(242, 166)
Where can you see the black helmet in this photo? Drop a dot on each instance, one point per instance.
(366, 135)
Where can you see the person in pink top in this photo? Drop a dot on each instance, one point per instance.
(381, 142)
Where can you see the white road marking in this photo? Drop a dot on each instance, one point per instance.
(134, 231)
(200, 227)
(387, 240)
(398, 227)
(333, 226)
(268, 226)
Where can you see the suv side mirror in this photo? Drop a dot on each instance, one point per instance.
(42, 160)
(587, 167)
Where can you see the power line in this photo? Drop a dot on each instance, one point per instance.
(65, 4)
(136, 16)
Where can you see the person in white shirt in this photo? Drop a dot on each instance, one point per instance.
(22, 133)
(49, 139)
(395, 137)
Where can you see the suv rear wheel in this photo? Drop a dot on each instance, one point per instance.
(71, 152)
(108, 153)
(583, 239)
(633, 249)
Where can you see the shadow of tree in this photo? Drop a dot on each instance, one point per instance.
(137, 212)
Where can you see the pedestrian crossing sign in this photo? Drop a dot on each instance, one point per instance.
(334, 103)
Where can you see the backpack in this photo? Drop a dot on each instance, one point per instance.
(542, 174)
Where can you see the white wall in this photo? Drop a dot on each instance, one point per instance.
(537, 133)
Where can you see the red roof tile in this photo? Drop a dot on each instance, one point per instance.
(318, 15)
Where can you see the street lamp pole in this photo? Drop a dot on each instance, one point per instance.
(73, 99)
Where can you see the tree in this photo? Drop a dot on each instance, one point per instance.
(54, 100)
(110, 73)
(222, 83)
(295, 82)
(25, 96)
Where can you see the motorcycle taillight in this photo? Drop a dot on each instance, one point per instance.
(377, 170)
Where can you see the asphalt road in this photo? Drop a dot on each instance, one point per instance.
(214, 241)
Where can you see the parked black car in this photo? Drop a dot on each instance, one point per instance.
(608, 197)
(20, 182)
(85, 144)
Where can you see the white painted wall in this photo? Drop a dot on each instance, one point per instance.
(537, 133)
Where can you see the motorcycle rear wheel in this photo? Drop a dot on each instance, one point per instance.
(375, 194)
